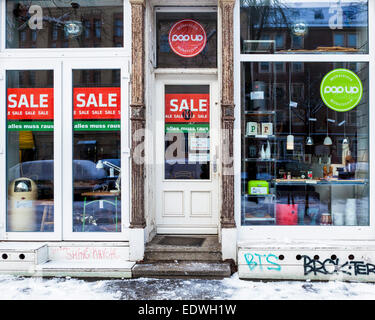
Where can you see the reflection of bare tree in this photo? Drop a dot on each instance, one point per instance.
(58, 14)
(269, 13)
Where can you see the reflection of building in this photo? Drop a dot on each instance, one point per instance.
(99, 27)
(302, 27)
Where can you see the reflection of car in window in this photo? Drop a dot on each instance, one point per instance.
(85, 174)
(40, 171)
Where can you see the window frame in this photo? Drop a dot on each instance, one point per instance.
(68, 52)
(176, 9)
(60, 58)
(314, 233)
(67, 146)
(57, 140)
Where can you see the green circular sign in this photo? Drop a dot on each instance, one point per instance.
(341, 90)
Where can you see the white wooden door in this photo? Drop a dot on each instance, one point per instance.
(187, 148)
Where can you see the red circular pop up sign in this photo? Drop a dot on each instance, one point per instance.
(187, 38)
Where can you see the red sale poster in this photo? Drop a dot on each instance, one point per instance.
(30, 103)
(187, 108)
(97, 103)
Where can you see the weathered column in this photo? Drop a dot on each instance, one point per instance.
(227, 113)
(137, 114)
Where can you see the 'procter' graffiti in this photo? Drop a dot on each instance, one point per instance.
(330, 266)
(257, 261)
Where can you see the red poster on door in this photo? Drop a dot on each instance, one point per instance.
(187, 38)
(30, 103)
(186, 108)
(97, 103)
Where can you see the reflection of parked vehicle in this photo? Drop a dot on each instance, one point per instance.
(40, 171)
(86, 175)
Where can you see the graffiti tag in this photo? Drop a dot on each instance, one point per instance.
(257, 261)
(330, 266)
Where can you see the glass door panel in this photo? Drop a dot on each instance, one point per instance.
(32, 139)
(30, 152)
(96, 150)
(187, 132)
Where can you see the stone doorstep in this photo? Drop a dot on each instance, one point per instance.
(208, 250)
(217, 270)
(103, 269)
(182, 256)
(170, 248)
(209, 241)
(210, 244)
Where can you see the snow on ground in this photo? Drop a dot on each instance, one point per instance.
(22, 288)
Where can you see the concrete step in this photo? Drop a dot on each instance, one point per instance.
(22, 256)
(93, 269)
(183, 248)
(181, 255)
(182, 269)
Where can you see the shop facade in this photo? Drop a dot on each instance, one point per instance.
(305, 138)
(65, 70)
(245, 120)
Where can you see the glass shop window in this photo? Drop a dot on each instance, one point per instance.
(30, 151)
(64, 24)
(307, 26)
(305, 144)
(186, 40)
(96, 150)
(187, 132)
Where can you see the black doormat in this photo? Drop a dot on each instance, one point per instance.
(181, 241)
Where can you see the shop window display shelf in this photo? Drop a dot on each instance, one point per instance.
(321, 182)
(258, 160)
(260, 113)
(259, 209)
(260, 137)
(270, 195)
(255, 219)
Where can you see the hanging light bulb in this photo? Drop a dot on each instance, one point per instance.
(346, 140)
(290, 142)
(73, 28)
(327, 140)
(309, 141)
(290, 137)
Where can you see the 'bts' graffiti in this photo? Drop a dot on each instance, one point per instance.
(255, 260)
(330, 266)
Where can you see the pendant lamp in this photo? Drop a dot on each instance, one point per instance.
(346, 140)
(327, 140)
(290, 137)
(290, 142)
(309, 140)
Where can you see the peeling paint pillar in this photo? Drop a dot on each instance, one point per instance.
(229, 231)
(137, 119)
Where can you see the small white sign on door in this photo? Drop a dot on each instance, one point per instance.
(199, 144)
(199, 157)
